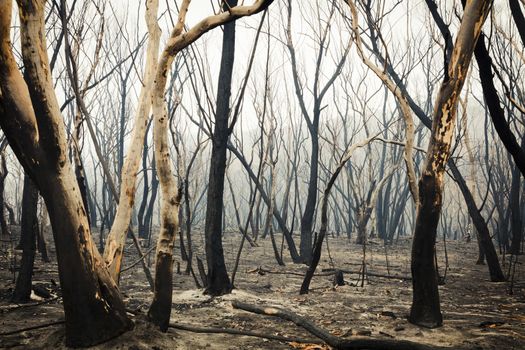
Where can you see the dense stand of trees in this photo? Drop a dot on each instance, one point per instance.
(337, 119)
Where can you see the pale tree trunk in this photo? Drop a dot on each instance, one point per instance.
(485, 245)
(400, 98)
(114, 249)
(93, 307)
(160, 309)
(425, 310)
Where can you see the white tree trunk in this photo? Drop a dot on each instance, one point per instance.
(117, 236)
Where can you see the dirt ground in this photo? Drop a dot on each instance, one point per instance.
(477, 314)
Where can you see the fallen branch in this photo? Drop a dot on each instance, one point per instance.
(32, 328)
(11, 308)
(368, 273)
(328, 272)
(262, 271)
(234, 331)
(333, 341)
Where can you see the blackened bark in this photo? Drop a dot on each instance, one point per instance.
(517, 14)
(93, 307)
(81, 179)
(218, 279)
(307, 218)
(22, 292)
(163, 292)
(41, 243)
(145, 190)
(492, 101)
(426, 310)
(154, 191)
(264, 196)
(3, 174)
(495, 272)
(316, 253)
(514, 204)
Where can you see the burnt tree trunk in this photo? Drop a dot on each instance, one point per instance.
(514, 204)
(29, 231)
(425, 310)
(3, 174)
(307, 219)
(497, 114)
(145, 190)
(486, 247)
(93, 307)
(218, 279)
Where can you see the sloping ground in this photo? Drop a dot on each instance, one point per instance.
(477, 314)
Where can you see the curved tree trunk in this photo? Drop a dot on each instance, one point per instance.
(160, 309)
(93, 306)
(114, 249)
(425, 310)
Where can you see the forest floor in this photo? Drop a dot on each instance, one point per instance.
(477, 314)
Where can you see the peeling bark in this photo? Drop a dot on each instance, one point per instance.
(425, 310)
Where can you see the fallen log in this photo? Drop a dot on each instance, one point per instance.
(333, 341)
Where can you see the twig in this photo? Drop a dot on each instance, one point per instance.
(333, 341)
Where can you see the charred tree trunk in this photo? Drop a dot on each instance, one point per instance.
(264, 196)
(145, 190)
(514, 204)
(3, 174)
(496, 112)
(154, 192)
(218, 279)
(22, 292)
(179, 39)
(307, 218)
(484, 240)
(425, 310)
(93, 306)
(316, 255)
(40, 238)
